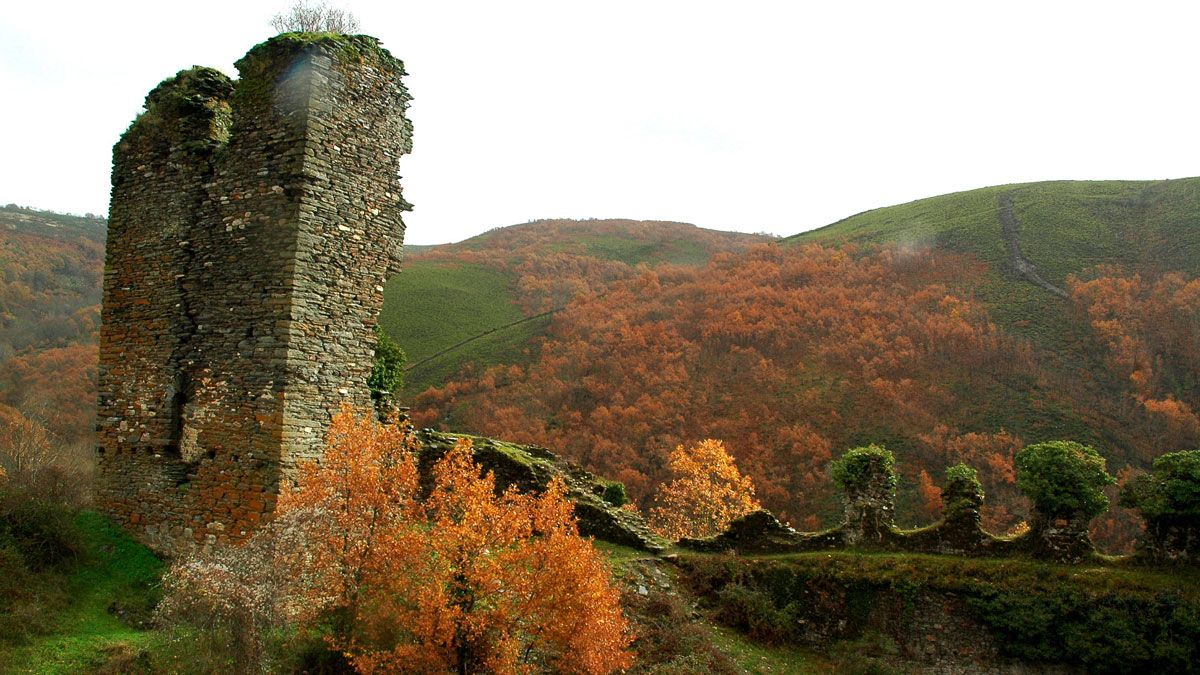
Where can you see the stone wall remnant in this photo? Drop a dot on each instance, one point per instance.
(252, 228)
(868, 481)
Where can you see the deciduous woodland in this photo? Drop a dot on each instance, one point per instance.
(50, 273)
(788, 354)
(710, 374)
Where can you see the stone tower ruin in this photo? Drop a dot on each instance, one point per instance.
(252, 228)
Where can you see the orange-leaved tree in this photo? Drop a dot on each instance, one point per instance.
(466, 580)
(312, 566)
(706, 493)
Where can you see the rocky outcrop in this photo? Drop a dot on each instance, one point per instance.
(530, 469)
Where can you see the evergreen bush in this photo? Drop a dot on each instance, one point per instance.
(860, 468)
(1170, 492)
(963, 492)
(1063, 479)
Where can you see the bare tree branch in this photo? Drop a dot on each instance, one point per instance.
(306, 16)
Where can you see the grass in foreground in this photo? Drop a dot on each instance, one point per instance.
(757, 658)
(112, 590)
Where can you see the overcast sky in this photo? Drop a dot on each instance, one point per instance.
(752, 116)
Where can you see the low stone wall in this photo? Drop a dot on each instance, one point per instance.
(869, 524)
(946, 614)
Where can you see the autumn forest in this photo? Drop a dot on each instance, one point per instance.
(646, 336)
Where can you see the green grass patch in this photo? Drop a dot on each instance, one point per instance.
(760, 659)
(112, 590)
(616, 554)
(637, 251)
(431, 306)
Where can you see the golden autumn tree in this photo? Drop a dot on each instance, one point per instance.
(354, 504)
(465, 581)
(705, 494)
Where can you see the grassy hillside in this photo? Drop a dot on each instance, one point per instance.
(433, 305)
(109, 595)
(632, 242)
(1065, 227)
(452, 293)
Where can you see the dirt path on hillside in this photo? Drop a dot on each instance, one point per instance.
(1011, 231)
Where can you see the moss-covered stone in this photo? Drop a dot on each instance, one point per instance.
(953, 614)
(189, 111)
(530, 469)
(268, 63)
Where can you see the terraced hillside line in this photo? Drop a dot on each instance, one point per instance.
(1010, 230)
(485, 333)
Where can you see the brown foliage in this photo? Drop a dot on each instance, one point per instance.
(1151, 330)
(54, 387)
(784, 354)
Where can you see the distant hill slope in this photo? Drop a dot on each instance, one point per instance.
(1034, 237)
(62, 226)
(50, 275)
(51, 270)
(499, 286)
(1062, 228)
(1065, 226)
(964, 326)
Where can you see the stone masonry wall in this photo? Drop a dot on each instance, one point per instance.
(252, 227)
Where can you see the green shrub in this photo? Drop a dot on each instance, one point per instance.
(859, 468)
(753, 611)
(387, 375)
(614, 492)
(1102, 620)
(38, 543)
(1106, 633)
(872, 653)
(1171, 492)
(962, 491)
(1063, 478)
(670, 640)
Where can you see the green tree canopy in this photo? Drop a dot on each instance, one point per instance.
(1063, 478)
(860, 468)
(387, 376)
(1171, 491)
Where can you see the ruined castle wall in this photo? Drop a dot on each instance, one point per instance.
(160, 169)
(245, 272)
(349, 240)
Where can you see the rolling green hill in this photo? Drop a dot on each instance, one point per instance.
(434, 305)
(1063, 228)
(1065, 225)
(465, 297)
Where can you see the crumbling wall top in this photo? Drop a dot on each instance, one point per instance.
(188, 111)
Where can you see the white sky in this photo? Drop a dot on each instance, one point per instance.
(753, 116)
